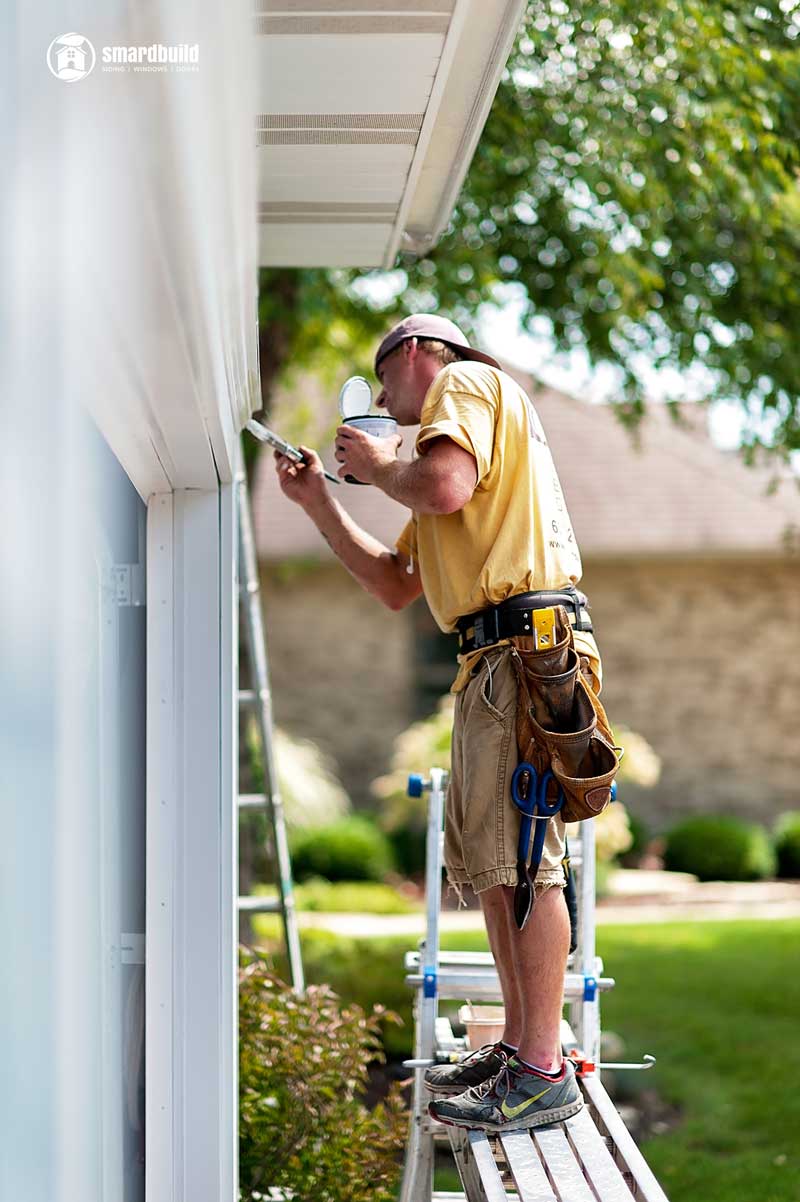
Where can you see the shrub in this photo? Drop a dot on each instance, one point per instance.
(356, 897)
(306, 778)
(719, 848)
(352, 849)
(303, 1127)
(640, 838)
(787, 844)
(639, 766)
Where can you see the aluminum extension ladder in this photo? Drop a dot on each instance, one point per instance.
(259, 699)
(590, 1157)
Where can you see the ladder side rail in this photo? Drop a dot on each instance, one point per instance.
(584, 1011)
(257, 649)
(590, 1007)
(433, 899)
(417, 1185)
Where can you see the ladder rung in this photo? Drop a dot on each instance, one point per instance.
(252, 801)
(260, 905)
(485, 985)
(250, 697)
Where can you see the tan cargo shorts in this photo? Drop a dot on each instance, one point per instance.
(482, 823)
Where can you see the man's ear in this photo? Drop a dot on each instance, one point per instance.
(411, 349)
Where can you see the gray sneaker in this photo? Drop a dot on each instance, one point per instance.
(481, 1065)
(514, 1101)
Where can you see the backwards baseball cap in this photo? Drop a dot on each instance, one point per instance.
(429, 325)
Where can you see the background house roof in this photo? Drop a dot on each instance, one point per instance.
(367, 121)
(669, 492)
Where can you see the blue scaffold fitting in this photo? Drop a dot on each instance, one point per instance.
(429, 982)
(416, 784)
(589, 988)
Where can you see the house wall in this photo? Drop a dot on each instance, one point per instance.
(699, 657)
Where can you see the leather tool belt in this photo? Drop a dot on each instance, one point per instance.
(513, 617)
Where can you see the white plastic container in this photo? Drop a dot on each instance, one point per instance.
(484, 1024)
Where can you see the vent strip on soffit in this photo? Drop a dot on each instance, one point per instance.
(339, 120)
(265, 207)
(348, 24)
(302, 212)
(343, 137)
(324, 219)
(372, 7)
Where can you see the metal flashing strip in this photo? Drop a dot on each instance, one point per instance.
(485, 92)
(334, 25)
(455, 29)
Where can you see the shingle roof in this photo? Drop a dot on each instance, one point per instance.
(676, 494)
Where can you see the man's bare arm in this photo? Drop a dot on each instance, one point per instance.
(381, 572)
(441, 481)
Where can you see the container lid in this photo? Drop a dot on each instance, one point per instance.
(355, 397)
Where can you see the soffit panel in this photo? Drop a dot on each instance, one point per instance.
(347, 74)
(369, 102)
(308, 245)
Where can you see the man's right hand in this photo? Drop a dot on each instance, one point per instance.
(303, 483)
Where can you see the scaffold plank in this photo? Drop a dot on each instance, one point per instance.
(598, 1163)
(526, 1168)
(487, 1167)
(562, 1167)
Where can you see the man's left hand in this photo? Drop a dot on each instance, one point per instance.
(363, 456)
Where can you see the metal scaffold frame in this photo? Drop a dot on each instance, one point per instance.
(590, 1157)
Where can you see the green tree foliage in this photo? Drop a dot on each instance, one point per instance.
(635, 187)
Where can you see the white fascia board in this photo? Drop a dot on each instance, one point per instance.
(476, 50)
(191, 1080)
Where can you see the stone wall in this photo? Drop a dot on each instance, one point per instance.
(701, 657)
(339, 665)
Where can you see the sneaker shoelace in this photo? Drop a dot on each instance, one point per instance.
(484, 1050)
(501, 1084)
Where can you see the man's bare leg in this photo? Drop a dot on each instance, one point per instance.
(531, 965)
(493, 904)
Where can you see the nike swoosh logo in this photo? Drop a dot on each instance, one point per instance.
(511, 1112)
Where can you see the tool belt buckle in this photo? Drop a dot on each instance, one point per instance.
(487, 628)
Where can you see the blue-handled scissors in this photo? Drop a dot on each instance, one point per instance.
(529, 794)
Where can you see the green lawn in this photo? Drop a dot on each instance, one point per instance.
(718, 1004)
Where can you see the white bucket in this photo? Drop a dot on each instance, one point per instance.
(485, 1024)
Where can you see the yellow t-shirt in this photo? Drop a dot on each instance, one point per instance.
(514, 535)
